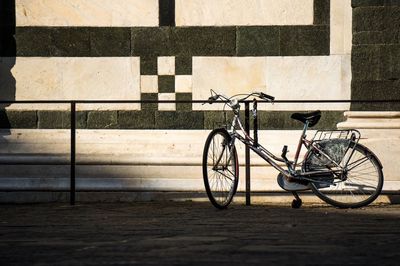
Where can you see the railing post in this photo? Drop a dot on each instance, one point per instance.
(247, 151)
(73, 143)
(255, 123)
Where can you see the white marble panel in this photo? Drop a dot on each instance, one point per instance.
(243, 12)
(113, 13)
(341, 27)
(166, 106)
(183, 83)
(309, 78)
(149, 84)
(78, 78)
(166, 65)
(226, 75)
(36, 78)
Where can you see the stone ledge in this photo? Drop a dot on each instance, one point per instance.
(355, 114)
(371, 120)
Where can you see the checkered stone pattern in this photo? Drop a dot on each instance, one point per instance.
(166, 85)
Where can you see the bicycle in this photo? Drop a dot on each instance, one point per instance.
(336, 167)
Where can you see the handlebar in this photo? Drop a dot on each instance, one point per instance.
(233, 102)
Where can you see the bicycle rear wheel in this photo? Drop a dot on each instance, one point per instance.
(359, 185)
(220, 168)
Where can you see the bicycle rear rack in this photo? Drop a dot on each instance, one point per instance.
(349, 134)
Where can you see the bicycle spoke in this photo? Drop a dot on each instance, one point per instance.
(231, 179)
(359, 162)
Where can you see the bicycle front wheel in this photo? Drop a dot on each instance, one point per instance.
(220, 168)
(360, 184)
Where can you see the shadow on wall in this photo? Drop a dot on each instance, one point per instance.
(7, 59)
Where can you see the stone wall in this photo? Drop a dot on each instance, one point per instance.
(180, 49)
(376, 54)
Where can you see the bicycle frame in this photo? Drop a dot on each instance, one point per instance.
(326, 168)
(273, 160)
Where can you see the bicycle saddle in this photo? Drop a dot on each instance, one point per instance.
(311, 117)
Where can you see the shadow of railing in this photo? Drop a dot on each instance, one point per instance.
(7, 58)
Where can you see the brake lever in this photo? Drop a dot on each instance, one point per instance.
(267, 97)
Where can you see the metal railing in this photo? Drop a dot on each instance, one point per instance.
(73, 103)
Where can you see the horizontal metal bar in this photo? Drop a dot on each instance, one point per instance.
(192, 101)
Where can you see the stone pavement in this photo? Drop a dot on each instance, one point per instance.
(191, 233)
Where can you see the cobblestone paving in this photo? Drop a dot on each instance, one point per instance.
(189, 233)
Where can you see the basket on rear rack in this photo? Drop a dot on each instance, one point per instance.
(336, 144)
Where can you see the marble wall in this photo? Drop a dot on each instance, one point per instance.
(292, 49)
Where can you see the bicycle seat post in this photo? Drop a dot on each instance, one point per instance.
(303, 135)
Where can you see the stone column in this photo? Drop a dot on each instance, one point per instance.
(375, 64)
(380, 132)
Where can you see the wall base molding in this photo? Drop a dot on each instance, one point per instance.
(262, 198)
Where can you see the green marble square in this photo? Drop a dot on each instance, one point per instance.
(151, 41)
(204, 41)
(102, 119)
(166, 84)
(304, 40)
(149, 97)
(110, 41)
(148, 65)
(70, 41)
(33, 41)
(183, 97)
(257, 41)
(179, 120)
(18, 119)
(183, 65)
(322, 12)
(136, 119)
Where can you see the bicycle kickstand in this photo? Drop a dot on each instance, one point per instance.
(296, 203)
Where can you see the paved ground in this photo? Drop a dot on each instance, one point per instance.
(197, 234)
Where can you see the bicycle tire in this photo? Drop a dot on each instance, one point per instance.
(362, 184)
(220, 184)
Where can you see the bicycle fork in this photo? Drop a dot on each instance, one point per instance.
(230, 146)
